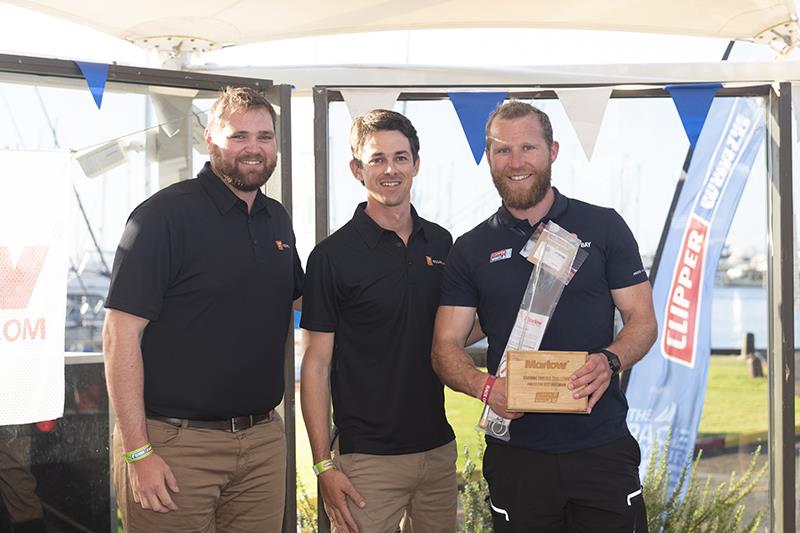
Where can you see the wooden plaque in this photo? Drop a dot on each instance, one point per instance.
(537, 381)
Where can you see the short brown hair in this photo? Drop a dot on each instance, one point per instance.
(381, 120)
(518, 109)
(233, 99)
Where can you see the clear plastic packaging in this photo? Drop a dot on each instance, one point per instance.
(556, 255)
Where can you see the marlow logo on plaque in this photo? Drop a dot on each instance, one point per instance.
(537, 381)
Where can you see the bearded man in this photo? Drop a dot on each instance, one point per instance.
(199, 309)
(558, 472)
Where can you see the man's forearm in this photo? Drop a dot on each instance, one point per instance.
(315, 401)
(634, 341)
(456, 370)
(125, 379)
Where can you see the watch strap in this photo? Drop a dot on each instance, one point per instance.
(613, 361)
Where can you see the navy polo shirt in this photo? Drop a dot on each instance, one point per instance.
(380, 298)
(216, 284)
(582, 321)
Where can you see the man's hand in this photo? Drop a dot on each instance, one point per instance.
(594, 376)
(336, 488)
(150, 477)
(498, 402)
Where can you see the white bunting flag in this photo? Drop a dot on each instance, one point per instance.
(359, 101)
(585, 109)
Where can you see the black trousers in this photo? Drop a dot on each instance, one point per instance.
(594, 490)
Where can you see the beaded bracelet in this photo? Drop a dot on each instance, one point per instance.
(139, 453)
(323, 466)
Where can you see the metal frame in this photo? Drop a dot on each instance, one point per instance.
(780, 287)
(321, 222)
(321, 124)
(59, 68)
(781, 438)
(280, 95)
(282, 191)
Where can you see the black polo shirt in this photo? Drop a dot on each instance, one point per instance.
(217, 285)
(582, 321)
(380, 298)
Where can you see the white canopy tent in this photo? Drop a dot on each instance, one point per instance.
(202, 25)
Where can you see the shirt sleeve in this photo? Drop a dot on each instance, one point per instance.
(144, 264)
(623, 262)
(458, 286)
(320, 308)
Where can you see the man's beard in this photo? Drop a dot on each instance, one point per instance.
(246, 181)
(516, 197)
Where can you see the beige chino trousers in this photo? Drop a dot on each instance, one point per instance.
(229, 482)
(420, 485)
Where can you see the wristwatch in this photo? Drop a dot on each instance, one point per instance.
(613, 361)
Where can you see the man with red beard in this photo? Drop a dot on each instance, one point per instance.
(199, 309)
(558, 472)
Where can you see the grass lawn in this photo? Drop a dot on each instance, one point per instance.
(735, 403)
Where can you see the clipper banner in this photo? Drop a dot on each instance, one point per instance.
(34, 194)
(667, 388)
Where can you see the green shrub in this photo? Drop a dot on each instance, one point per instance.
(703, 507)
(475, 497)
(306, 509)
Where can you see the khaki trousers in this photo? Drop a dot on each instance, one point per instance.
(229, 482)
(420, 485)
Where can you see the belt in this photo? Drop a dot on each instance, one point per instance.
(237, 423)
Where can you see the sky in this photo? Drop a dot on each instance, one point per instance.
(623, 173)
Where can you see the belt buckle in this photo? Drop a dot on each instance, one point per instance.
(247, 422)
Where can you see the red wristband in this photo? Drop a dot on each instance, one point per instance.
(487, 388)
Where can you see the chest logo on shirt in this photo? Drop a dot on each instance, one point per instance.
(431, 261)
(281, 246)
(500, 255)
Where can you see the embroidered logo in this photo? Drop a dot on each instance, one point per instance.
(500, 255)
(281, 246)
(431, 261)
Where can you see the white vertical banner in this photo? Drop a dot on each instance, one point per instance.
(359, 101)
(585, 109)
(34, 195)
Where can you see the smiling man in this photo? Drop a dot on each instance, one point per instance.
(199, 309)
(368, 312)
(559, 472)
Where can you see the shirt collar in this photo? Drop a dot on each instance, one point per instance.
(559, 207)
(222, 196)
(371, 232)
